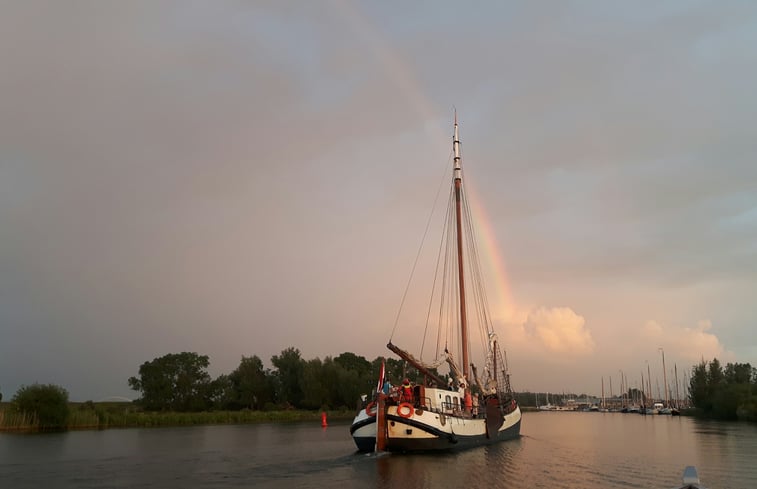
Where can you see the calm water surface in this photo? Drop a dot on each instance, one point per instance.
(582, 450)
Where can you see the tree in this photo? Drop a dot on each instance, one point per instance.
(223, 394)
(715, 374)
(48, 402)
(289, 369)
(252, 385)
(698, 387)
(357, 363)
(738, 373)
(315, 391)
(724, 393)
(177, 381)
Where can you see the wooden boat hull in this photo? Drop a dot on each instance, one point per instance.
(424, 430)
(363, 431)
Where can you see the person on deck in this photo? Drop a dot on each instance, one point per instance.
(387, 387)
(468, 401)
(407, 391)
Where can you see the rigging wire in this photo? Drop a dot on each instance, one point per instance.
(420, 248)
(433, 287)
(478, 284)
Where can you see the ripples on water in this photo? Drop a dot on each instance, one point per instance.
(583, 450)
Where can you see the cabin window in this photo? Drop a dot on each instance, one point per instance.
(447, 401)
(454, 401)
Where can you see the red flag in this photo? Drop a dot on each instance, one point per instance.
(381, 377)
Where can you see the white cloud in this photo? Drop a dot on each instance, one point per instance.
(692, 344)
(560, 330)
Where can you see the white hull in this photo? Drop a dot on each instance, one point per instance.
(424, 430)
(363, 431)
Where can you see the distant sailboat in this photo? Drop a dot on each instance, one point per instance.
(548, 406)
(666, 409)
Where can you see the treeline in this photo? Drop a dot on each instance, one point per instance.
(724, 393)
(180, 382)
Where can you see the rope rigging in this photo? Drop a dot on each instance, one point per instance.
(445, 295)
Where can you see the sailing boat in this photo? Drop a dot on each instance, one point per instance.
(461, 410)
(548, 406)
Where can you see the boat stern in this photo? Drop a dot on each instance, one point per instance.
(363, 431)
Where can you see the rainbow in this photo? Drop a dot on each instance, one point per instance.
(502, 304)
(501, 299)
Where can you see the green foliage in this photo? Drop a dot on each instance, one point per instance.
(251, 386)
(176, 382)
(223, 395)
(397, 370)
(356, 363)
(180, 383)
(47, 403)
(289, 376)
(740, 373)
(724, 393)
(699, 388)
(101, 415)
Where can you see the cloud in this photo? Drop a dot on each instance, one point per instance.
(175, 177)
(560, 330)
(692, 344)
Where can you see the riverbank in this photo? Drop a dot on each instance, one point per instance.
(98, 416)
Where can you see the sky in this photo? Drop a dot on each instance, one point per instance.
(235, 178)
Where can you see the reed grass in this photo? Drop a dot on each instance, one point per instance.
(18, 422)
(83, 416)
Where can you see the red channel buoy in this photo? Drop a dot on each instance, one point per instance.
(323, 420)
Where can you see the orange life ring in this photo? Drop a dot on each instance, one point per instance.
(409, 409)
(369, 407)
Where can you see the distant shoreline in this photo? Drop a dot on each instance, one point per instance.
(99, 416)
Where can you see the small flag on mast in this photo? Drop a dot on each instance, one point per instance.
(381, 377)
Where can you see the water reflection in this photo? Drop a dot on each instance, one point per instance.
(555, 449)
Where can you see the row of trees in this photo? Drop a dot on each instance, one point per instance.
(181, 382)
(724, 393)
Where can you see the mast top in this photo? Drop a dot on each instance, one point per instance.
(456, 149)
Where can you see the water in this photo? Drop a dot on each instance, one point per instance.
(556, 450)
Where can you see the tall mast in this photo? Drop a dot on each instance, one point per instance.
(678, 397)
(458, 176)
(665, 378)
(643, 389)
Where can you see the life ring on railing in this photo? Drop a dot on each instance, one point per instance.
(409, 409)
(371, 405)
